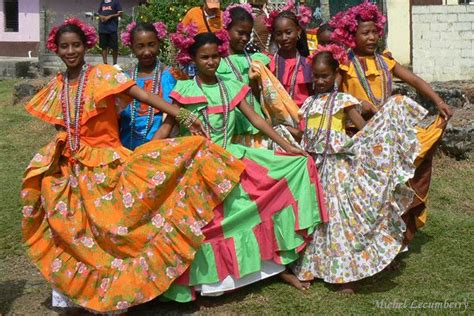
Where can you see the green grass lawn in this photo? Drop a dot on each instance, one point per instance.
(438, 267)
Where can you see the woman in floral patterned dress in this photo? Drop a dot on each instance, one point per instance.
(106, 227)
(363, 178)
(368, 77)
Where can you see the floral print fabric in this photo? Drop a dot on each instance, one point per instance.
(364, 181)
(110, 228)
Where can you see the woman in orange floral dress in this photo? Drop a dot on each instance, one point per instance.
(106, 227)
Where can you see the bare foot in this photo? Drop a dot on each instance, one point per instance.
(346, 289)
(291, 279)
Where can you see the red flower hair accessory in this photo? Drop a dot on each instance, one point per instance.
(337, 52)
(89, 32)
(160, 28)
(345, 23)
(303, 15)
(182, 40)
(227, 19)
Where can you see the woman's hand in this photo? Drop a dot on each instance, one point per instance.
(445, 110)
(295, 150)
(367, 109)
(254, 73)
(197, 129)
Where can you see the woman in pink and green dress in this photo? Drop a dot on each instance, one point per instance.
(264, 223)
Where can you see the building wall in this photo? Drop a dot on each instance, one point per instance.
(443, 42)
(398, 37)
(28, 23)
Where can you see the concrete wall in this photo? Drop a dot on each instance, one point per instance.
(443, 42)
(398, 37)
(28, 23)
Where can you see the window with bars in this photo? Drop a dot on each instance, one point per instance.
(10, 7)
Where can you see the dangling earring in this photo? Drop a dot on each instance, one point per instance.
(299, 36)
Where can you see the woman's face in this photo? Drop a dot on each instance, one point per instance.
(286, 33)
(145, 46)
(207, 59)
(325, 38)
(324, 77)
(71, 50)
(239, 35)
(366, 38)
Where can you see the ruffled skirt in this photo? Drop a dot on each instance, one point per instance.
(263, 224)
(366, 195)
(110, 228)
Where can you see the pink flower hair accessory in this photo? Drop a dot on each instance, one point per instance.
(227, 19)
(345, 23)
(224, 48)
(126, 36)
(89, 32)
(337, 52)
(182, 39)
(303, 15)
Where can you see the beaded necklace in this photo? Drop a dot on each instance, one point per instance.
(73, 127)
(135, 106)
(239, 75)
(205, 112)
(327, 112)
(386, 78)
(276, 57)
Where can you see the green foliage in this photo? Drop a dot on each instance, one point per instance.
(170, 12)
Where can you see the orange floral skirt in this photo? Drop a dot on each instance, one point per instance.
(110, 228)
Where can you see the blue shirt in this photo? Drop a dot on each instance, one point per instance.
(167, 84)
(108, 8)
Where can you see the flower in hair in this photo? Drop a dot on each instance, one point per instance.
(227, 19)
(89, 32)
(270, 20)
(126, 36)
(182, 39)
(303, 15)
(161, 30)
(345, 23)
(337, 52)
(224, 47)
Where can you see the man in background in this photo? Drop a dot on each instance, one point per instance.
(208, 18)
(109, 12)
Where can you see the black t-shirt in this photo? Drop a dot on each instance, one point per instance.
(109, 7)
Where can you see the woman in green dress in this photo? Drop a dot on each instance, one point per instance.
(264, 223)
(238, 22)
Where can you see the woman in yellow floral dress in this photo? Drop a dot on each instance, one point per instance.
(363, 178)
(106, 227)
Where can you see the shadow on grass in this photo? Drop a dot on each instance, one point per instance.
(10, 290)
(203, 304)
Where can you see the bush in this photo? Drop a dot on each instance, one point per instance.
(170, 12)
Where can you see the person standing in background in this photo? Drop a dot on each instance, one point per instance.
(260, 34)
(208, 17)
(109, 12)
